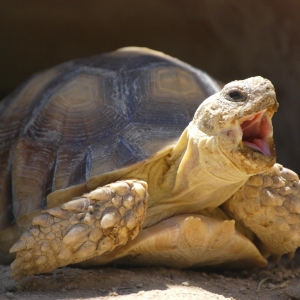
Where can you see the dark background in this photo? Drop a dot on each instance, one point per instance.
(230, 39)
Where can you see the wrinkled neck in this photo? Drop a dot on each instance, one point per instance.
(204, 175)
(197, 176)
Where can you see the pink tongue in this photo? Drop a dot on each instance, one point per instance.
(259, 145)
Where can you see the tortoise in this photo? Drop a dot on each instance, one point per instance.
(137, 158)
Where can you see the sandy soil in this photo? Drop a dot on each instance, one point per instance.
(277, 281)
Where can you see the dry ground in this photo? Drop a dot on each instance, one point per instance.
(277, 281)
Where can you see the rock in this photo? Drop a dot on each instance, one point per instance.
(271, 286)
(10, 295)
(278, 277)
(293, 292)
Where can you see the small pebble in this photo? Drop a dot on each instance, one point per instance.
(266, 274)
(70, 286)
(139, 285)
(287, 274)
(10, 295)
(293, 292)
(278, 277)
(185, 283)
(248, 285)
(271, 286)
(113, 294)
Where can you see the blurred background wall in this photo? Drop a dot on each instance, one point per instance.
(230, 39)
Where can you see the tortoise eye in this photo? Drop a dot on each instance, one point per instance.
(236, 96)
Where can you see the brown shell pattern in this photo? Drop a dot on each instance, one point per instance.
(88, 117)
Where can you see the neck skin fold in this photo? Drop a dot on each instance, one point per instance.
(205, 172)
(200, 177)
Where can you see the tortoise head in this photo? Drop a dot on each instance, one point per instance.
(236, 122)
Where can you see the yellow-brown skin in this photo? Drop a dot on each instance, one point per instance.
(184, 224)
(206, 166)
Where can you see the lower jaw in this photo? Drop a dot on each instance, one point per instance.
(255, 161)
(251, 162)
(265, 150)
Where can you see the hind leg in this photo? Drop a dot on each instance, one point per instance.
(82, 228)
(186, 241)
(269, 205)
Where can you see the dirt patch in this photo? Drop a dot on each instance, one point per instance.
(277, 281)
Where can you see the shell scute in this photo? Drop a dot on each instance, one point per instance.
(90, 117)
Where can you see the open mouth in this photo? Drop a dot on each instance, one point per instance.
(257, 129)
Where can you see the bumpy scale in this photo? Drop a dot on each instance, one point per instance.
(144, 102)
(82, 228)
(268, 204)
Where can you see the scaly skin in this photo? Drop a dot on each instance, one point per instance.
(82, 228)
(269, 205)
(228, 140)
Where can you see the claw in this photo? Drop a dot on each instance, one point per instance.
(110, 218)
(292, 204)
(17, 262)
(58, 213)
(64, 254)
(45, 220)
(17, 275)
(77, 234)
(130, 220)
(120, 187)
(18, 246)
(41, 260)
(78, 205)
(80, 229)
(273, 215)
(101, 194)
(86, 250)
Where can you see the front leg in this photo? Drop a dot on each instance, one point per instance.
(82, 228)
(269, 205)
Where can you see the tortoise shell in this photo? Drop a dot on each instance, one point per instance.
(91, 116)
